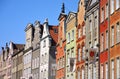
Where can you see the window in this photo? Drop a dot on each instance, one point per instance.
(90, 45)
(102, 15)
(89, 73)
(118, 32)
(68, 37)
(112, 6)
(106, 39)
(79, 33)
(61, 43)
(58, 66)
(63, 61)
(96, 26)
(72, 34)
(83, 76)
(90, 26)
(102, 74)
(79, 57)
(112, 66)
(72, 52)
(44, 43)
(55, 31)
(83, 30)
(83, 52)
(68, 55)
(118, 68)
(65, 49)
(106, 16)
(106, 70)
(78, 75)
(102, 42)
(94, 72)
(112, 36)
(53, 70)
(117, 4)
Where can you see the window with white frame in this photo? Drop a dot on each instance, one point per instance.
(102, 15)
(118, 68)
(106, 40)
(83, 30)
(118, 32)
(44, 43)
(112, 36)
(90, 44)
(106, 71)
(78, 74)
(79, 57)
(96, 26)
(72, 34)
(102, 73)
(83, 76)
(38, 61)
(89, 73)
(112, 69)
(90, 25)
(94, 72)
(106, 16)
(68, 37)
(83, 52)
(68, 55)
(112, 6)
(117, 4)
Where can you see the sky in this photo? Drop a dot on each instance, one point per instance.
(16, 14)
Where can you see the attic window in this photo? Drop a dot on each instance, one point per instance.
(81, 3)
(55, 31)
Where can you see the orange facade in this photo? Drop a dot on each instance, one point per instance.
(80, 40)
(60, 55)
(103, 32)
(115, 47)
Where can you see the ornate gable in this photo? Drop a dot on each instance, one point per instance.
(71, 15)
(89, 3)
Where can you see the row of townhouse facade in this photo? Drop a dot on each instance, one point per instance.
(91, 43)
(33, 60)
(84, 45)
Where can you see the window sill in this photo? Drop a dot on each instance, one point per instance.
(72, 40)
(117, 43)
(112, 13)
(68, 43)
(117, 9)
(112, 46)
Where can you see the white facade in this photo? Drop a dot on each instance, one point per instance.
(47, 53)
(44, 52)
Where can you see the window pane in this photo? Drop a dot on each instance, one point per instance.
(112, 6)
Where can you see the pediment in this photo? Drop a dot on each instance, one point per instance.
(91, 2)
(71, 15)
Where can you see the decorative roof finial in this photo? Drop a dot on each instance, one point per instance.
(46, 20)
(63, 8)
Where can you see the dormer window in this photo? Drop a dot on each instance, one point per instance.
(44, 43)
(55, 31)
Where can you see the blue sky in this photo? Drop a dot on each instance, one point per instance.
(16, 14)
